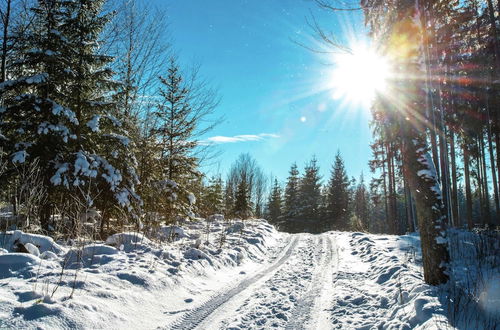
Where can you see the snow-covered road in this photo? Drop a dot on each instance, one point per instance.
(292, 291)
(259, 279)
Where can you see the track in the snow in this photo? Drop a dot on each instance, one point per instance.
(193, 318)
(302, 312)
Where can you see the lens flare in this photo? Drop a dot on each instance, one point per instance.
(359, 75)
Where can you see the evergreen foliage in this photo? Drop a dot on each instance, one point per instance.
(337, 206)
(274, 204)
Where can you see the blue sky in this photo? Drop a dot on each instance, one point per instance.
(275, 96)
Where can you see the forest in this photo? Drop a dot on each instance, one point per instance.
(99, 117)
(112, 212)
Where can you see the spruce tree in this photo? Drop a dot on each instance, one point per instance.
(291, 202)
(361, 199)
(177, 165)
(274, 204)
(102, 140)
(59, 111)
(242, 203)
(310, 198)
(34, 122)
(338, 196)
(213, 197)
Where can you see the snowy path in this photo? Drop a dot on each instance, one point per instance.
(292, 292)
(262, 279)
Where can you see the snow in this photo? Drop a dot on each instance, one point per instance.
(56, 178)
(128, 240)
(32, 249)
(125, 141)
(192, 199)
(12, 262)
(243, 275)
(93, 124)
(43, 243)
(19, 157)
(169, 232)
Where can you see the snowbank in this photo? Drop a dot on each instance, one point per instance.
(391, 278)
(128, 282)
(11, 239)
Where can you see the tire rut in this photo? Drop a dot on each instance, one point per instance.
(193, 318)
(303, 310)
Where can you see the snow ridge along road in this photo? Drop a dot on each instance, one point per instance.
(196, 316)
(292, 293)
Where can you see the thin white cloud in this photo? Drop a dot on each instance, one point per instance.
(239, 138)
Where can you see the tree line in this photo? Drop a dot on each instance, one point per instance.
(437, 127)
(97, 113)
(460, 110)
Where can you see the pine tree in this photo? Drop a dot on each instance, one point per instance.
(274, 204)
(34, 122)
(229, 193)
(291, 203)
(177, 122)
(59, 111)
(177, 125)
(338, 196)
(361, 199)
(213, 197)
(102, 140)
(310, 198)
(242, 203)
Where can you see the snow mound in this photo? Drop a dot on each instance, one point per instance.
(48, 255)
(195, 254)
(128, 240)
(32, 249)
(89, 255)
(11, 262)
(169, 232)
(236, 227)
(42, 243)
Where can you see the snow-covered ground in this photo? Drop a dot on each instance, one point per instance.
(260, 278)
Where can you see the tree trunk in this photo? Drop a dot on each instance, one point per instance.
(487, 214)
(422, 178)
(468, 193)
(5, 18)
(454, 192)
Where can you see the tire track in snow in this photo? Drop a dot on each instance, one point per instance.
(311, 304)
(270, 305)
(193, 318)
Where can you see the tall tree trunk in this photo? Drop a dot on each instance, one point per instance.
(479, 187)
(487, 214)
(410, 221)
(392, 217)
(386, 199)
(5, 21)
(454, 192)
(468, 192)
(422, 178)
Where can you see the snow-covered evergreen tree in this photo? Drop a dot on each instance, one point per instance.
(274, 205)
(291, 202)
(59, 109)
(243, 203)
(337, 208)
(361, 200)
(310, 197)
(213, 197)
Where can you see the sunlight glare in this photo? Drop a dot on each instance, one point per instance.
(359, 76)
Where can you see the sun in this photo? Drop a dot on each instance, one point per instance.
(359, 75)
